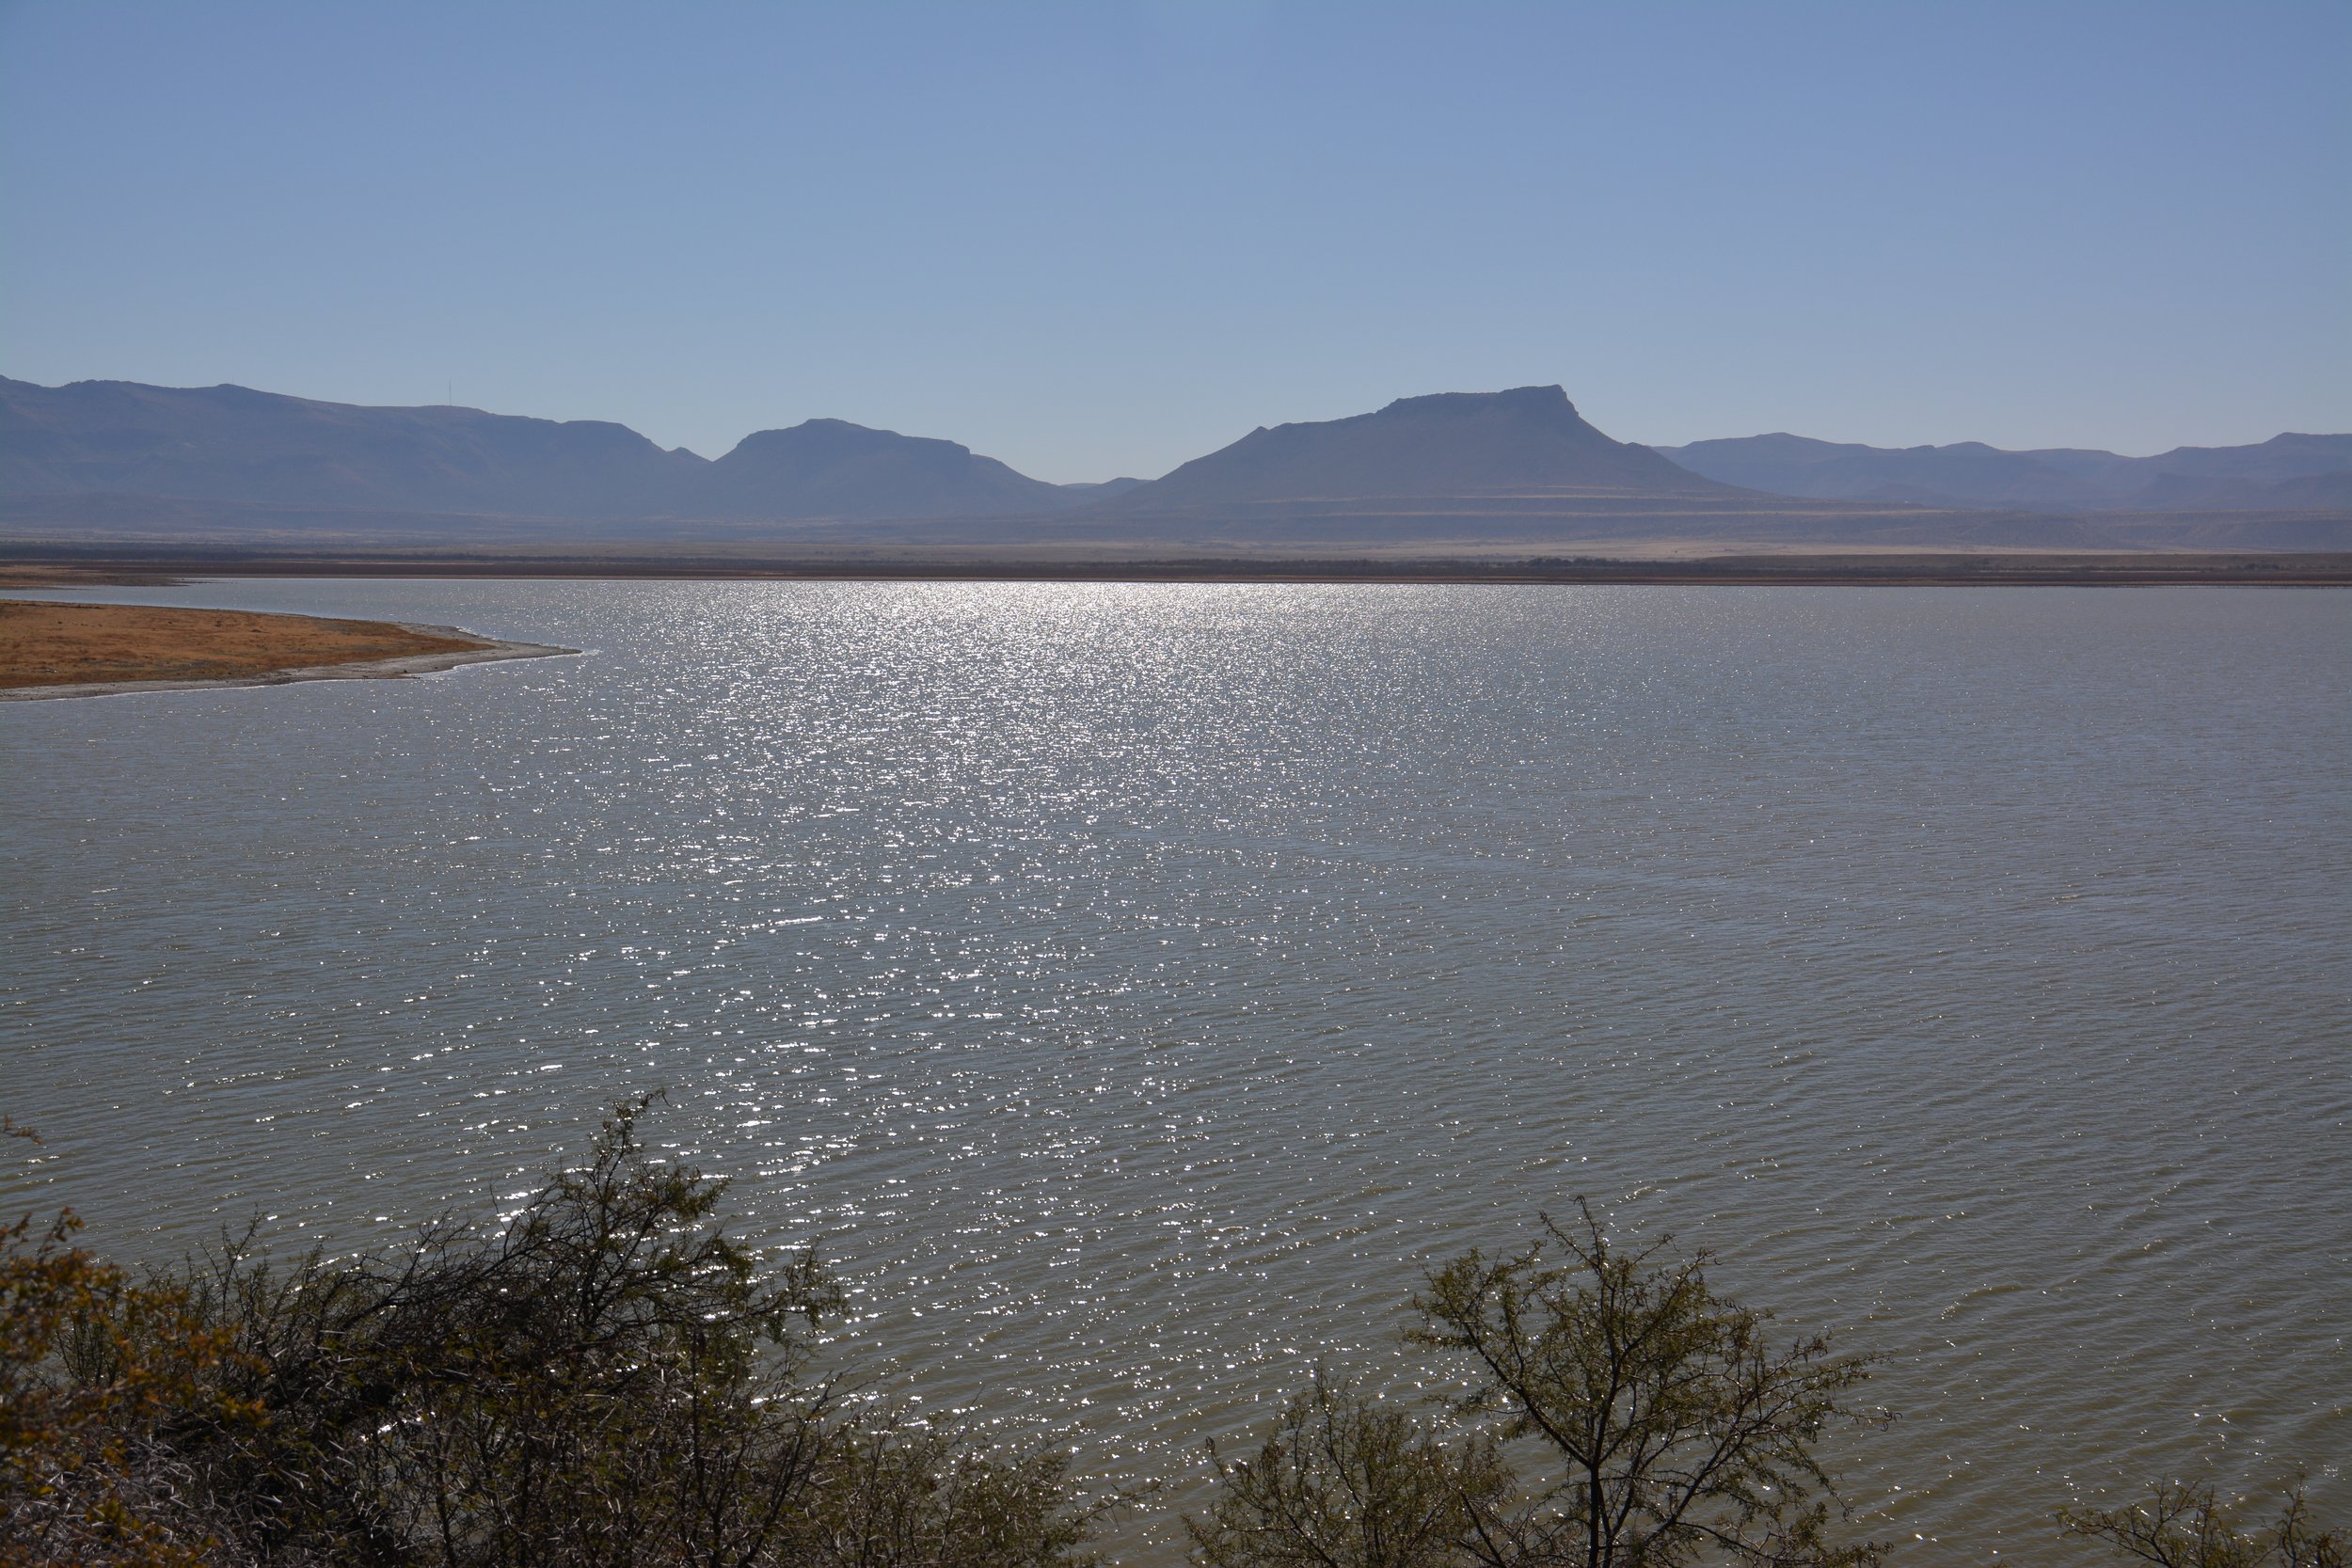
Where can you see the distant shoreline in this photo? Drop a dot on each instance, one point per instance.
(28, 567)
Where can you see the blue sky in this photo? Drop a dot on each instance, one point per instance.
(1102, 238)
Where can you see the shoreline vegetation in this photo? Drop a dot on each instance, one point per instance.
(26, 566)
(49, 649)
(605, 1377)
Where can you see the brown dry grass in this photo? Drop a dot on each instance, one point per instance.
(70, 645)
(19, 575)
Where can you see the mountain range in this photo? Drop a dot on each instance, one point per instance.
(1519, 467)
(2292, 472)
(230, 444)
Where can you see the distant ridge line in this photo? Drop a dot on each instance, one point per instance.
(1518, 467)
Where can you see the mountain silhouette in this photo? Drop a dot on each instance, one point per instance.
(2286, 472)
(1476, 471)
(236, 446)
(833, 468)
(1527, 441)
(231, 443)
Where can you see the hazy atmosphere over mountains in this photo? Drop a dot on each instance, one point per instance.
(229, 444)
(2286, 471)
(119, 459)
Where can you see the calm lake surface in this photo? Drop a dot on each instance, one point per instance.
(1135, 986)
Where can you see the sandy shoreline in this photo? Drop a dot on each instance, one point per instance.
(479, 650)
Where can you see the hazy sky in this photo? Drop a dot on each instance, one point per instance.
(1103, 238)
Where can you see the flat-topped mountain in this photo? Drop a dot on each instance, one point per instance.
(2286, 472)
(833, 468)
(1529, 440)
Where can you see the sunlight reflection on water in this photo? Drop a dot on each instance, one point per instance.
(1134, 985)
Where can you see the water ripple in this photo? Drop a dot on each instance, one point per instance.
(1133, 986)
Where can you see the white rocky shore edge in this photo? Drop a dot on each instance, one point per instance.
(491, 651)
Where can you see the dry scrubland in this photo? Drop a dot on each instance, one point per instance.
(606, 1379)
(73, 644)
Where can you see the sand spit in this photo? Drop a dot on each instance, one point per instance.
(151, 648)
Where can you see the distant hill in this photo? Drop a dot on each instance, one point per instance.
(1527, 441)
(234, 446)
(2287, 472)
(831, 468)
(1456, 473)
(229, 444)
(2315, 493)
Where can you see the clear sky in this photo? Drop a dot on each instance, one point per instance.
(1102, 238)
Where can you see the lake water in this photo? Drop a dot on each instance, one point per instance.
(1136, 986)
